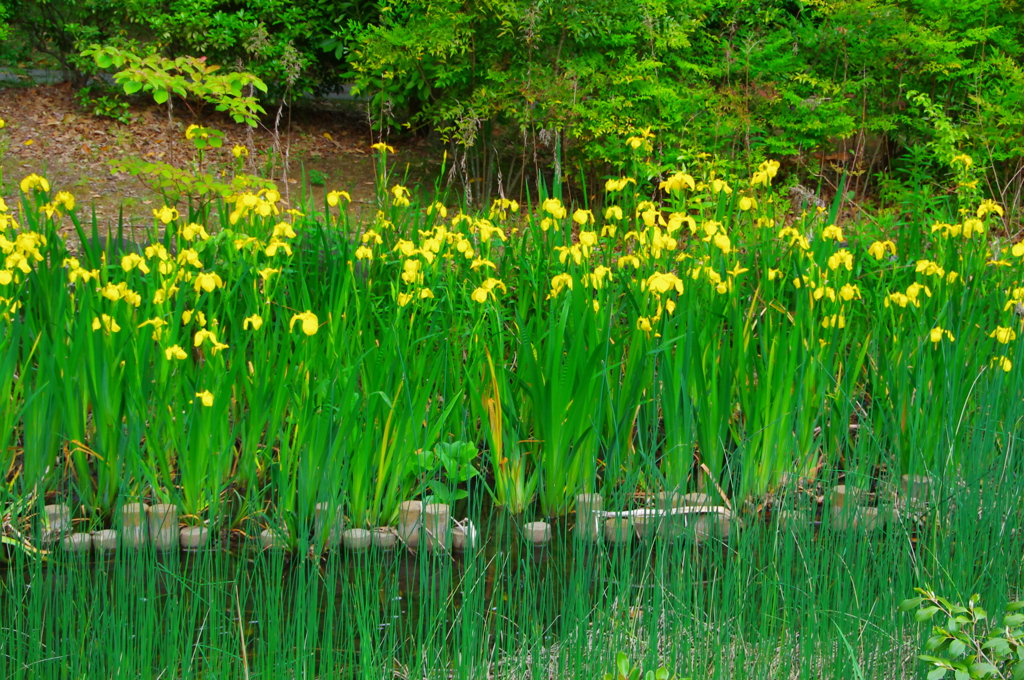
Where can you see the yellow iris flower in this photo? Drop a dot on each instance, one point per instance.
(583, 217)
(834, 321)
(189, 256)
(1003, 363)
(765, 173)
(488, 230)
(1003, 334)
(486, 290)
(849, 292)
(334, 196)
(660, 283)
(34, 181)
(618, 184)
(719, 186)
(283, 229)
(66, 199)
(824, 292)
(134, 261)
(204, 335)
(560, 282)
(598, 277)
(158, 326)
(678, 182)
(276, 245)
(841, 258)
(175, 352)
(411, 271)
(973, 226)
(723, 243)
(554, 207)
(106, 322)
(208, 282)
(310, 324)
(166, 214)
(400, 195)
(879, 248)
(186, 317)
(629, 260)
(192, 230)
(267, 272)
(157, 251)
(833, 233)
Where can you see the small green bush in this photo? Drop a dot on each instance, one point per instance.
(625, 671)
(103, 102)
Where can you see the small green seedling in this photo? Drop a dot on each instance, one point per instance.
(624, 671)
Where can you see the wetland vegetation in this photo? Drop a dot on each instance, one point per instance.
(673, 415)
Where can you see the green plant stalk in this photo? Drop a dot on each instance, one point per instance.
(562, 383)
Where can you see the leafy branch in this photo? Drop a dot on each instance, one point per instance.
(969, 645)
(183, 76)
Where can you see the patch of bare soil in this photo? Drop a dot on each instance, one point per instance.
(48, 133)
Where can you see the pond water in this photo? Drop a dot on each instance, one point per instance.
(503, 609)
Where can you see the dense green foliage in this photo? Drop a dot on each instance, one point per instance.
(765, 78)
(858, 81)
(278, 40)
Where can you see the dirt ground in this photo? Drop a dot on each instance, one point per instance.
(48, 133)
